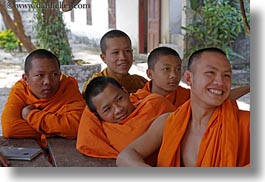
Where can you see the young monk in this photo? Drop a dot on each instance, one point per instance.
(116, 52)
(111, 121)
(44, 103)
(207, 131)
(164, 71)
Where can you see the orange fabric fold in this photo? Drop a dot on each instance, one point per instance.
(58, 115)
(226, 142)
(130, 82)
(177, 98)
(106, 139)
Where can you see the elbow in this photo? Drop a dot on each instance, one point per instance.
(120, 160)
(7, 131)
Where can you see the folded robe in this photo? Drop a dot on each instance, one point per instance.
(106, 139)
(226, 142)
(130, 82)
(177, 98)
(58, 115)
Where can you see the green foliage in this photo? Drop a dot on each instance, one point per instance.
(8, 40)
(52, 35)
(216, 24)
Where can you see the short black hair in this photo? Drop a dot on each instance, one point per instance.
(111, 34)
(160, 51)
(39, 53)
(196, 55)
(95, 87)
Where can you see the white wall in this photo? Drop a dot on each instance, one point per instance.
(99, 20)
(127, 19)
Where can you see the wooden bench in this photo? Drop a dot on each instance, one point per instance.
(64, 154)
(39, 161)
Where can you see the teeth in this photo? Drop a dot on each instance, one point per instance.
(217, 92)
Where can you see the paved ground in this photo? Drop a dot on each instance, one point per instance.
(11, 71)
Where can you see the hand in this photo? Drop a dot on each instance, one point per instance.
(3, 161)
(26, 110)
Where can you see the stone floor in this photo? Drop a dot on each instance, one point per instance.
(11, 71)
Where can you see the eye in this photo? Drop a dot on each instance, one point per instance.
(210, 73)
(55, 74)
(227, 75)
(166, 69)
(119, 98)
(39, 75)
(129, 50)
(115, 53)
(106, 109)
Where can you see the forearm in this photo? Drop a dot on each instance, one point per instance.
(130, 158)
(236, 93)
(65, 125)
(14, 126)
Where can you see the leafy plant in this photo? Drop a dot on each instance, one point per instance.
(8, 40)
(216, 23)
(52, 33)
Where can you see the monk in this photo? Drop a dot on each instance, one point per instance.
(116, 52)
(3, 161)
(111, 121)
(45, 102)
(206, 131)
(164, 71)
(68, 5)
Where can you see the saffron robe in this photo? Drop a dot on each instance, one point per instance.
(130, 82)
(177, 98)
(56, 116)
(226, 142)
(106, 139)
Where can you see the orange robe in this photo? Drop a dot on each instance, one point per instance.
(58, 115)
(130, 82)
(177, 98)
(226, 142)
(105, 139)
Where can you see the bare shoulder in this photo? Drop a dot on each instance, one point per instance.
(159, 123)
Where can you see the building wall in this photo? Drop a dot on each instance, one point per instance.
(127, 14)
(126, 20)
(88, 33)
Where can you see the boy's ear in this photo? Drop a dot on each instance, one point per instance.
(102, 56)
(188, 77)
(149, 73)
(25, 78)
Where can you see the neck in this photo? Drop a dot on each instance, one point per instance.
(201, 114)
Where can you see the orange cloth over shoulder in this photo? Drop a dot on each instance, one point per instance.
(58, 115)
(130, 82)
(226, 142)
(105, 139)
(177, 98)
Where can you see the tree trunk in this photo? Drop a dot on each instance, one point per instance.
(243, 12)
(16, 25)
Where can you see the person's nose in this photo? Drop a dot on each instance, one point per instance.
(173, 73)
(219, 79)
(122, 55)
(117, 109)
(47, 80)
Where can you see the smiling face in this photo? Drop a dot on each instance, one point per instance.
(43, 77)
(166, 74)
(118, 55)
(210, 78)
(113, 104)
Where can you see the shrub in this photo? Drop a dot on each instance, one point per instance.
(8, 40)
